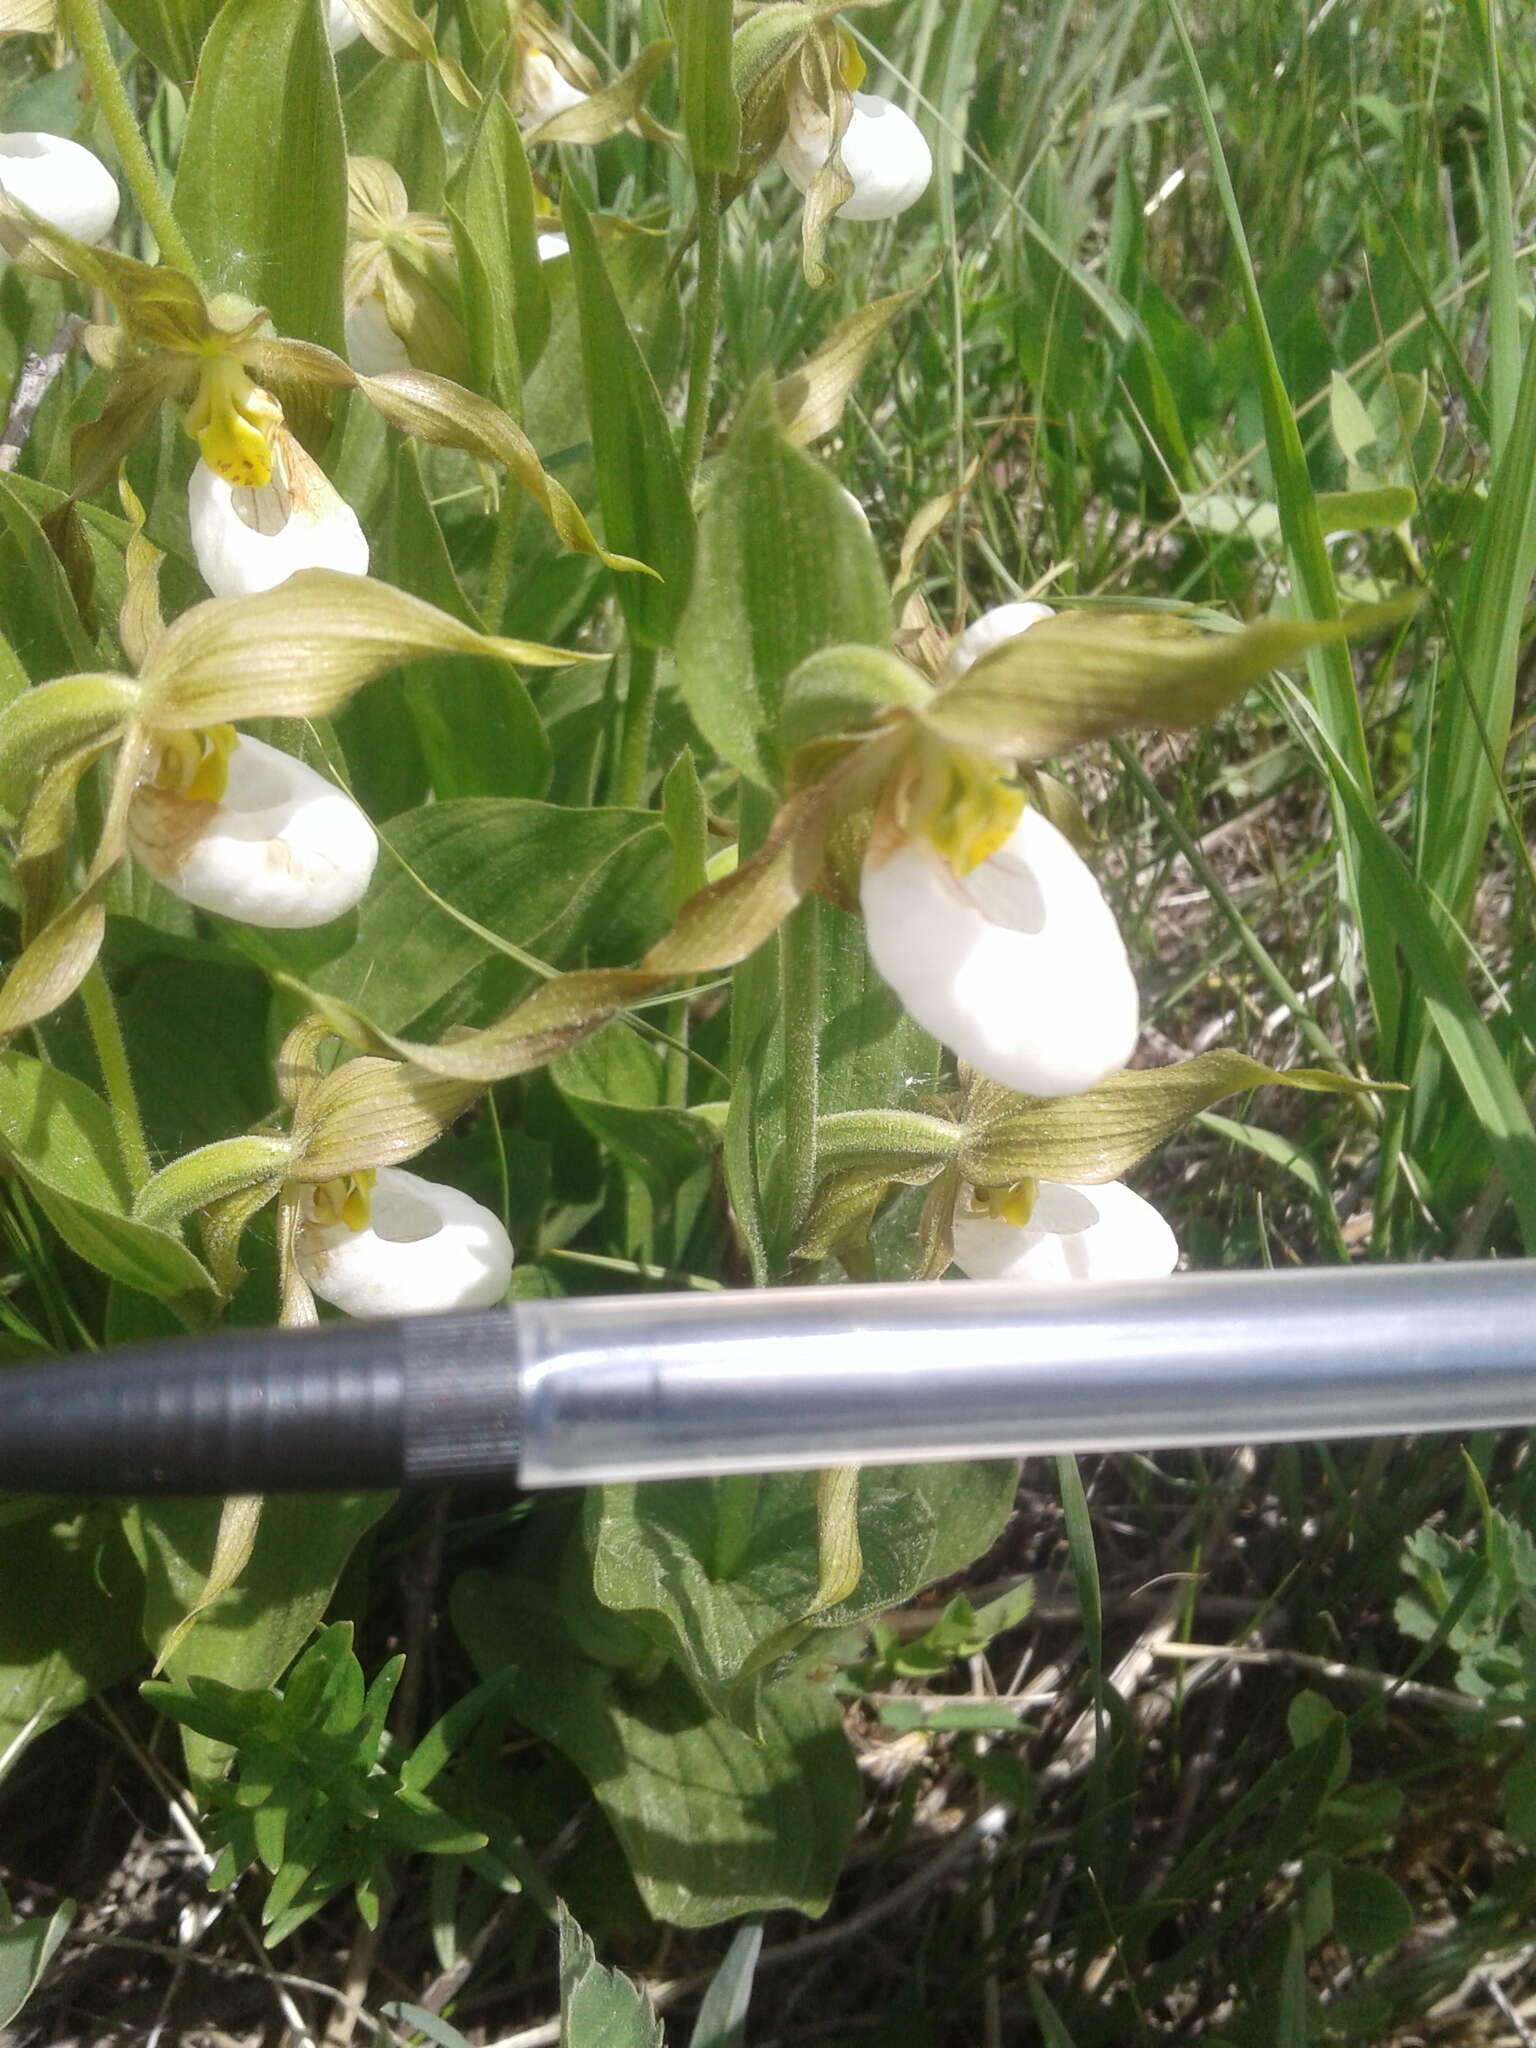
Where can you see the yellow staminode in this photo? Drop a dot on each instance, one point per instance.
(195, 764)
(347, 1199)
(1014, 1204)
(850, 61)
(965, 805)
(231, 420)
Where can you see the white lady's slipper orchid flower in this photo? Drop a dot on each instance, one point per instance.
(1016, 964)
(883, 152)
(253, 538)
(342, 27)
(545, 88)
(1073, 1233)
(550, 246)
(392, 1244)
(857, 507)
(60, 181)
(232, 825)
(372, 344)
(1003, 622)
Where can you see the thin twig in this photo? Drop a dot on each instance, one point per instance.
(34, 380)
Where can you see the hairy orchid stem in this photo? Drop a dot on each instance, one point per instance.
(635, 731)
(112, 1058)
(83, 19)
(706, 314)
(800, 977)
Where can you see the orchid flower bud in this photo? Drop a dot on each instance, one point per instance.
(546, 91)
(1069, 1233)
(1003, 622)
(342, 27)
(883, 151)
(234, 826)
(248, 539)
(60, 181)
(394, 1244)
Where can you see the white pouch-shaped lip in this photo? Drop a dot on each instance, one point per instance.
(884, 152)
(1018, 966)
(426, 1248)
(373, 347)
(282, 848)
(61, 181)
(1075, 1233)
(1003, 622)
(248, 539)
(546, 89)
(342, 27)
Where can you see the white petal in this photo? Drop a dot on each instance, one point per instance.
(1075, 1233)
(883, 152)
(550, 246)
(372, 344)
(249, 540)
(853, 501)
(61, 181)
(1018, 966)
(427, 1248)
(546, 89)
(342, 27)
(1003, 622)
(282, 848)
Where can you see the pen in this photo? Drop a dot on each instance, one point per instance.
(573, 1392)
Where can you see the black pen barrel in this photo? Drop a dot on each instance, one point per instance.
(338, 1408)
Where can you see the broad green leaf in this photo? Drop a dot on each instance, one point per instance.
(169, 32)
(57, 1651)
(57, 1135)
(646, 513)
(26, 1949)
(249, 1635)
(713, 1822)
(616, 1085)
(1370, 1912)
(785, 567)
(527, 877)
(654, 1557)
(477, 727)
(38, 615)
(598, 2007)
(261, 185)
(506, 296)
(389, 113)
(711, 115)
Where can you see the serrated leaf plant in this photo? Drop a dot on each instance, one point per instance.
(491, 813)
